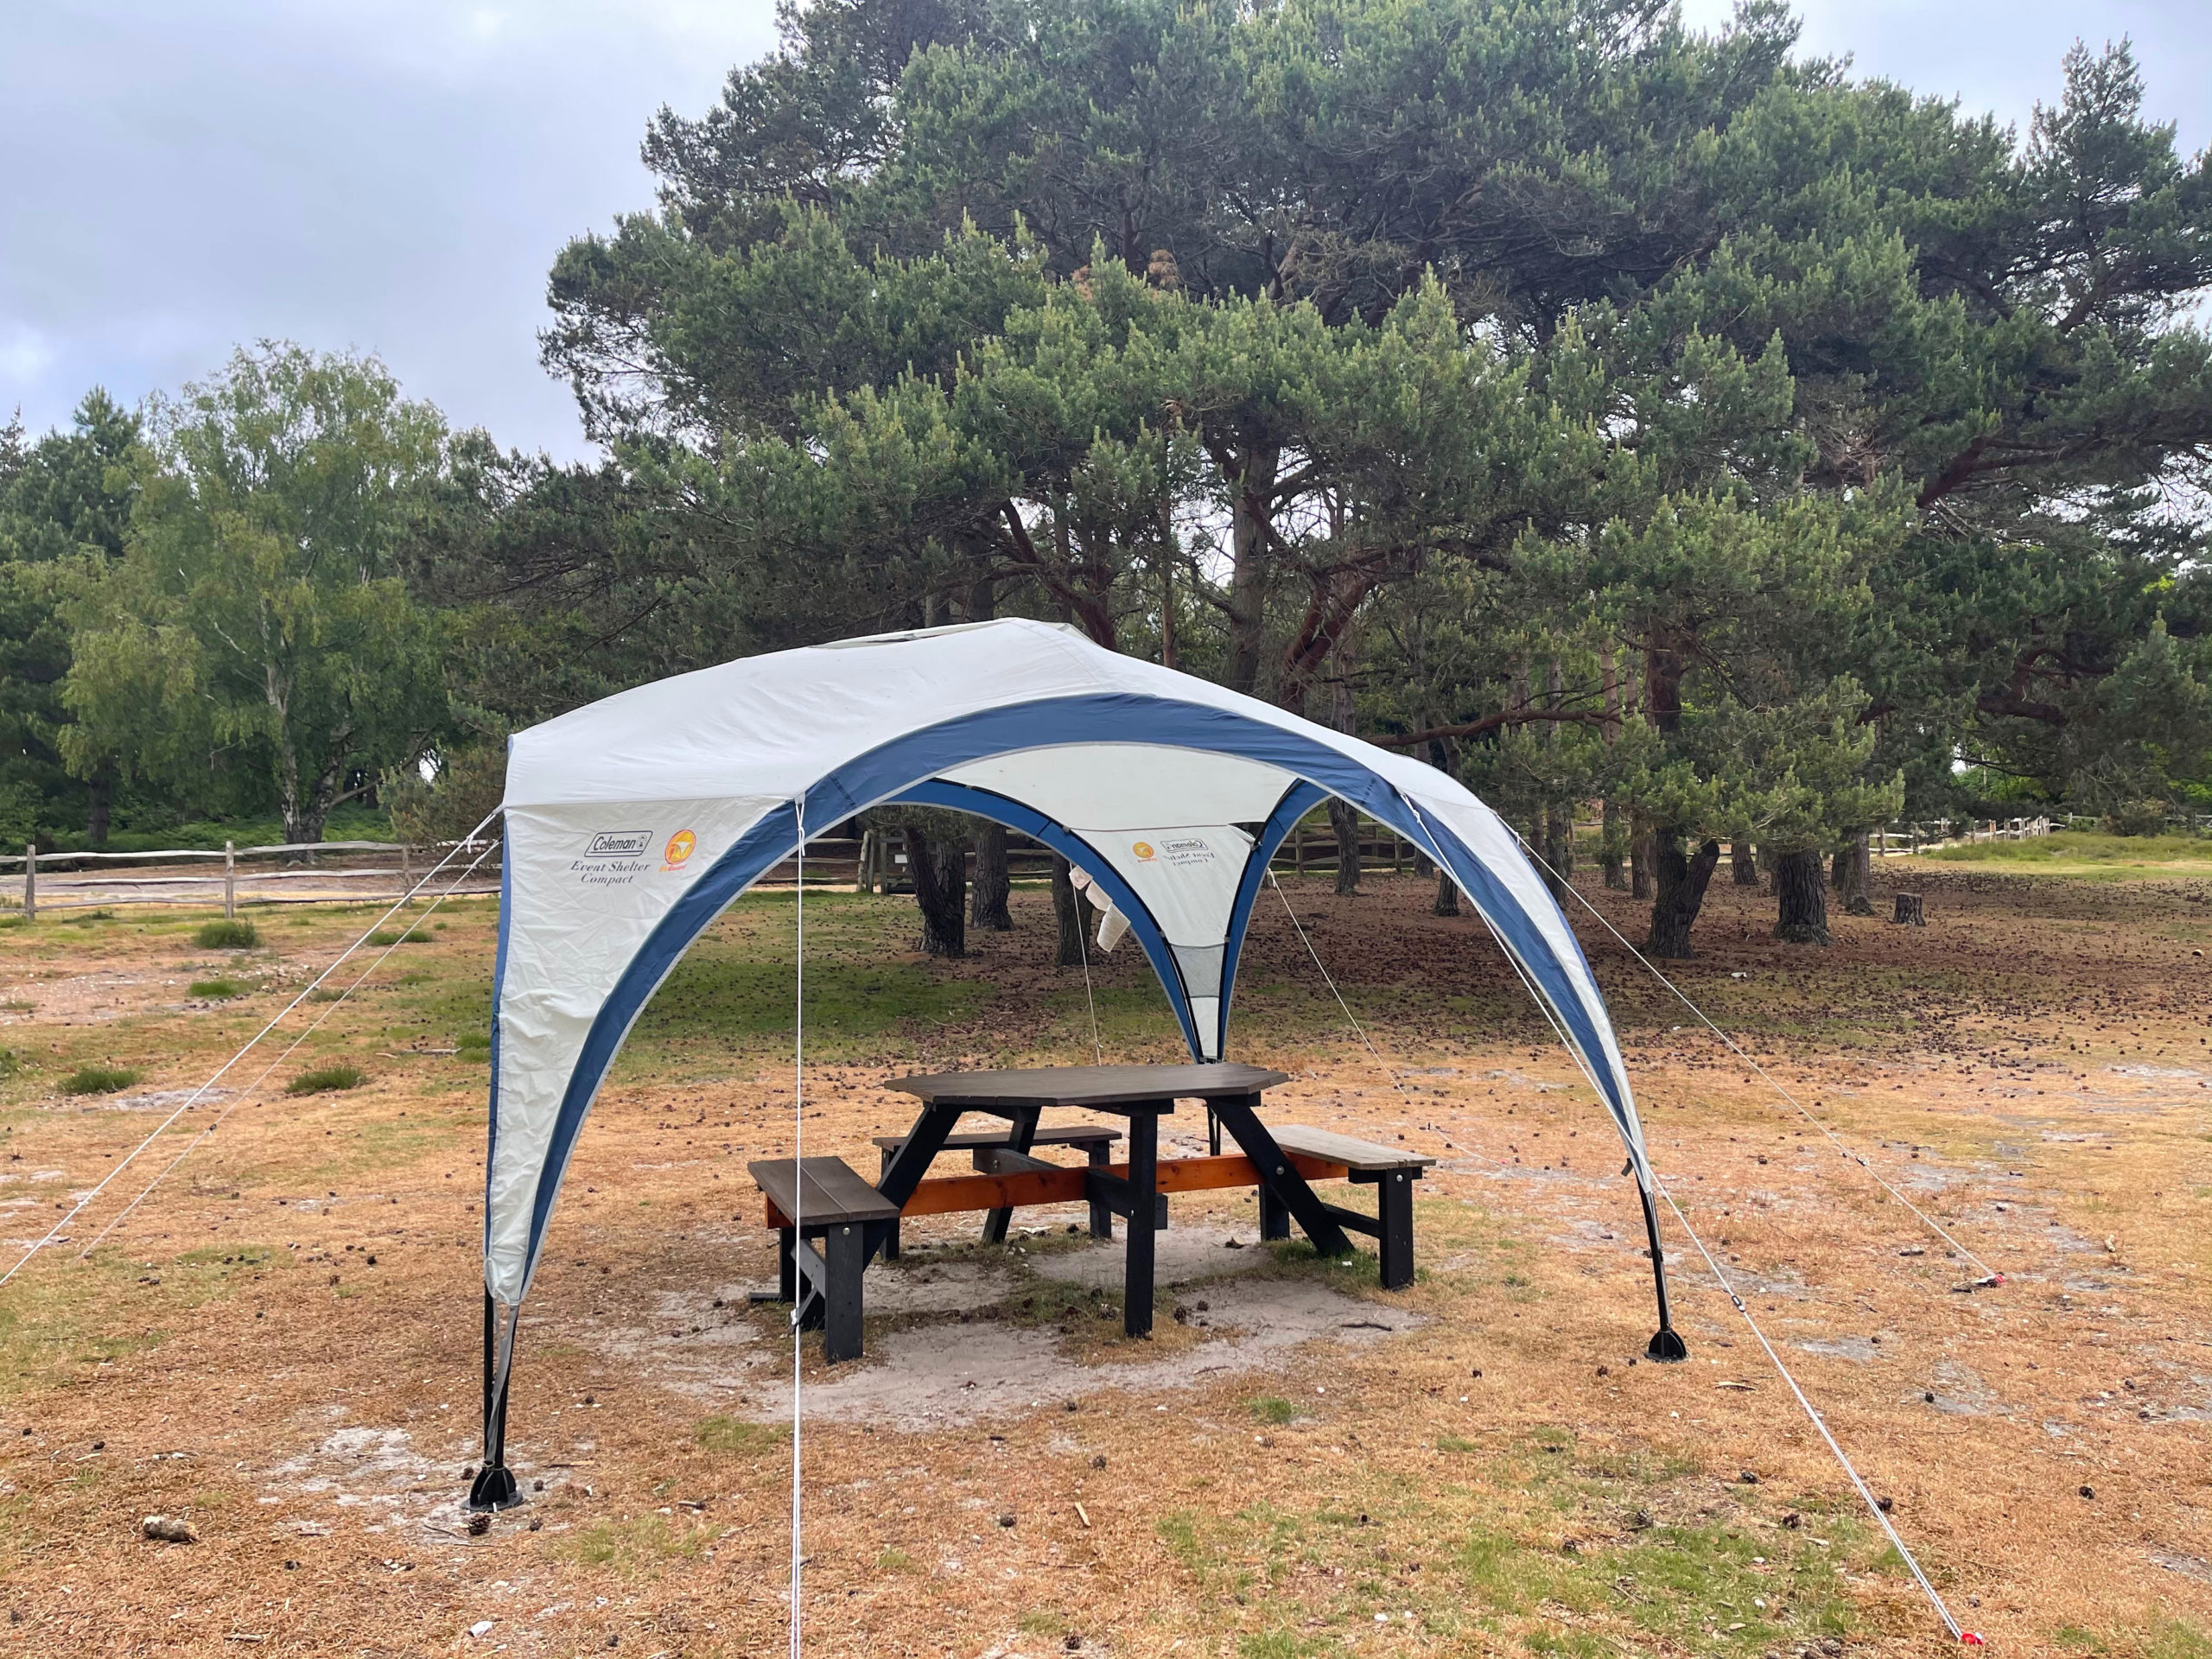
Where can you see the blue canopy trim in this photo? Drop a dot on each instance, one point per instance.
(894, 768)
(1002, 809)
(1297, 801)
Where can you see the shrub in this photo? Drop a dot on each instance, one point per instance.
(100, 1079)
(219, 990)
(1273, 1408)
(227, 935)
(384, 935)
(10, 1063)
(326, 1079)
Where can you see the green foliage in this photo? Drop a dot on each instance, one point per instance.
(327, 1079)
(219, 990)
(227, 935)
(92, 1079)
(64, 502)
(258, 615)
(1273, 1408)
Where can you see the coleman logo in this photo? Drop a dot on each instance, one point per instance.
(680, 847)
(618, 843)
(1142, 849)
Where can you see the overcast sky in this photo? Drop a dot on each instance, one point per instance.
(395, 175)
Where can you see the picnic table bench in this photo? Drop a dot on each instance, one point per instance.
(831, 1201)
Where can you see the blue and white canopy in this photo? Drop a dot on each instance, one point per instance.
(633, 822)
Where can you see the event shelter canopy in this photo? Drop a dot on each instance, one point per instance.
(633, 822)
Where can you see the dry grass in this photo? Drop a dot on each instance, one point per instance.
(280, 1343)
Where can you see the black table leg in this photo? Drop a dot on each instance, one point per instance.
(1393, 1206)
(844, 1256)
(1020, 1138)
(786, 1265)
(1274, 1220)
(1279, 1175)
(1144, 1184)
(1102, 1217)
(904, 1169)
(891, 1237)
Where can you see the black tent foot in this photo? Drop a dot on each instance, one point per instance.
(494, 1489)
(1666, 1348)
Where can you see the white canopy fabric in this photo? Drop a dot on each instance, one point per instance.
(633, 822)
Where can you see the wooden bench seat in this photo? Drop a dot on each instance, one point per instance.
(833, 1202)
(1391, 1171)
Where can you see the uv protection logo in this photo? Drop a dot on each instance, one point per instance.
(618, 843)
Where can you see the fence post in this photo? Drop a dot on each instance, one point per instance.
(229, 881)
(406, 874)
(30, 881)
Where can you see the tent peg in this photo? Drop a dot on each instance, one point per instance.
(494, 1487)
(1666, 1347)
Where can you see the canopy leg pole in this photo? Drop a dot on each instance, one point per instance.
(1666, 1344)
(494, 1487)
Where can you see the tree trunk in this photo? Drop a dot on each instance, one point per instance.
(1743, 863)
(1858, 860)
(1612, 839)
(1639, 861)
(1840, 868)
(1802, 898)
(303, 823)
(1251, 512)
(940, 872)
(103, 802)
(988, 896)
(1680, 883)
(1073, 913)
(1447, 895)
(1345, 823)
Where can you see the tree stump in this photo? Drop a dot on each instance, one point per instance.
(1912, 909)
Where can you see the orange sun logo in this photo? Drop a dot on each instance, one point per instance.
(1142, 849)
(680, 847)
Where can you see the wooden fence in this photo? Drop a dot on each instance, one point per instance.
(317, 872)
(382, 872)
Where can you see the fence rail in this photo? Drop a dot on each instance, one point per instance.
(59, 882)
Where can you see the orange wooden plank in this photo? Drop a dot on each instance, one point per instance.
(949, 1194)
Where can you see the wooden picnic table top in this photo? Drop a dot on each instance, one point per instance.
(1105, 1088)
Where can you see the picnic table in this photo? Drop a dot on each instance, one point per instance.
(826, 1199)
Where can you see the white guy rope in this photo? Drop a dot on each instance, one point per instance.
(194, 1099)
(1970, 1638)
(1388, 1070)
(251, 1088)
(798, 1191)
(1990, 1276)
(1349, 1018)
(1873, 1505)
